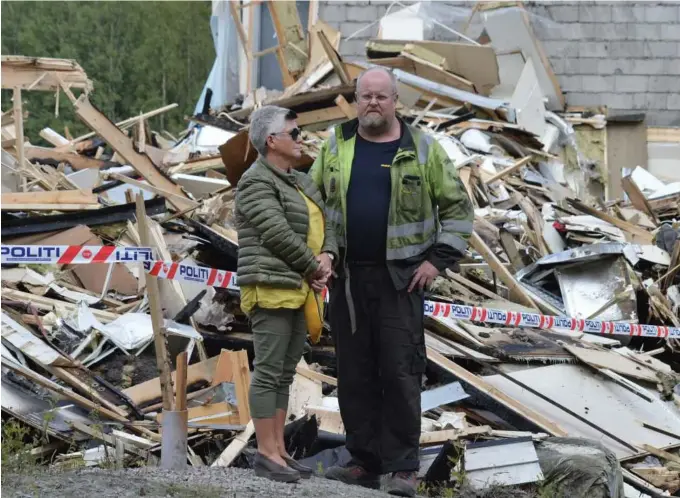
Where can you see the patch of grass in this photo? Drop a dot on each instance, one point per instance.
(17, 443)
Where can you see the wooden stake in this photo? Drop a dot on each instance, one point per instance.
(19, 131)
(157, 320)
(181, 382)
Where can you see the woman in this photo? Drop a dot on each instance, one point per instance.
(285, 252)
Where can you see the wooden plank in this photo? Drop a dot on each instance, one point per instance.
(55, 197)
(241, 373)
(126, 123)
(637, 198)
(612, 361)
(320, 116)
(151, 389)
(53, 386)
(499, 268)
(123, 146)
(49, 304)
(626, 148)
(472, 285)
(333, 56)
(49, 207)
(236, 16)
(438, 437)
(507, 242)
(170, 196)
(76, 161)
(181, 382)
(349, 110)
(291, 36)
(666, 455)
(41, 80)
(436, 74)
(106, 438)
(516, 166)
(223, 370)
(665, 135)
(18, 125)
(486, 388)
(286, 75)
(235, 447)
(641, 234)
(329, 420)
(314, 375)
(213, 413)
(156, 311)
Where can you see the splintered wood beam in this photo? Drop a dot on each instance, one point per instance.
(55, 197)
(632, 230)
(499, 268)
(76, 161)
(333, 56)
(18, 127)
(235, 448)
(123, 147)
(507, 171)
(157, 320)
(637, 198)
(349, 110)
(239, 29)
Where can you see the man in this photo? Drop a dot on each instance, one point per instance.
(401, 216)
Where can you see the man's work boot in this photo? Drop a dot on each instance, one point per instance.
(401, 484)
(354, 474)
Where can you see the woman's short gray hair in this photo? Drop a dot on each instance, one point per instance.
(266, 121)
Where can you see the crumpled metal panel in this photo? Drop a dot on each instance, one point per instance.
(589, 286)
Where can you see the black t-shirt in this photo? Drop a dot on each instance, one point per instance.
(368, 200)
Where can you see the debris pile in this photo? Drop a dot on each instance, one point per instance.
(558, 331)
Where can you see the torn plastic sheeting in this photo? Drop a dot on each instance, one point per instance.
(447, 91)
(134, 330)
(579, 468)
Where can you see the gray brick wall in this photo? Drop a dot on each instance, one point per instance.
(625, 55)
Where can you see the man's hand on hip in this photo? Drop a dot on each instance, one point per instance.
(423, 276)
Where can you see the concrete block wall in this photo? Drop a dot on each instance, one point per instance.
(625, 55)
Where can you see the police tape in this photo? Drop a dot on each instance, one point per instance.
(227, 279)
(191, 273)
(68, 255)
(538, 321)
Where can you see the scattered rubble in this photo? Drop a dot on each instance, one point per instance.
(561, 229)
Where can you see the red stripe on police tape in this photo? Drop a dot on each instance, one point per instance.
(227, 279)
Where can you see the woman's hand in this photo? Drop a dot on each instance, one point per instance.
(325, 264)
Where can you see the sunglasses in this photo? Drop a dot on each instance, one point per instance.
(294, 133)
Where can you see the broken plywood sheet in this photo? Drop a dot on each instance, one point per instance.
(527, 99)
(601, 401)
(476, 63)
(510, 31)
(304, 392)
(613, 361)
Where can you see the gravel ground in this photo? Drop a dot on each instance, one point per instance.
(198, 483)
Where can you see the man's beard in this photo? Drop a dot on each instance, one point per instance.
(373, 122)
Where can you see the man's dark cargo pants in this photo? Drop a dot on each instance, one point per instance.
(380, 368)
